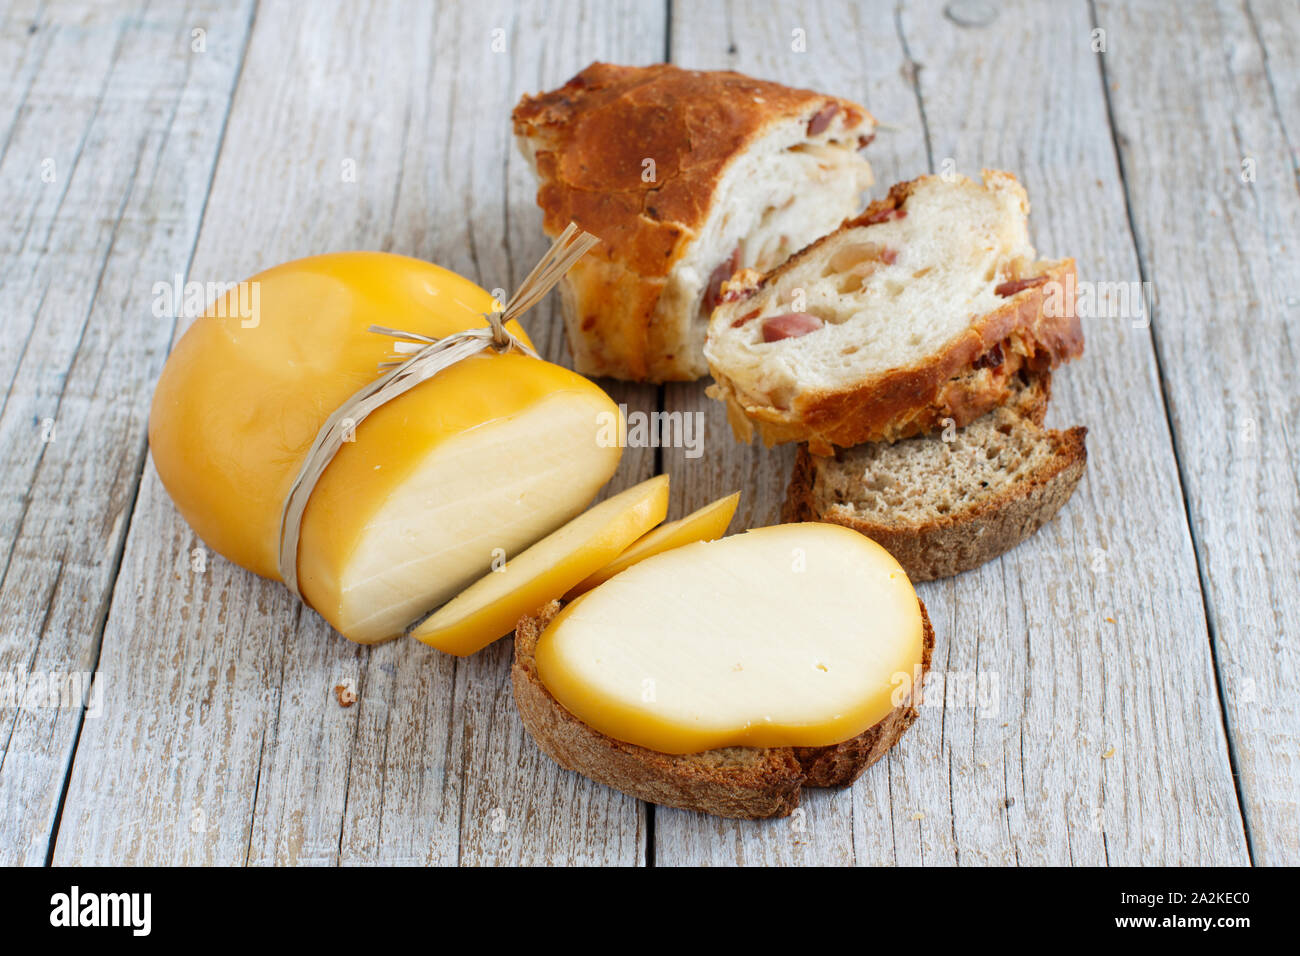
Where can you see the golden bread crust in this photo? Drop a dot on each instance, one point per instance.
(958, 383)
(589, 140)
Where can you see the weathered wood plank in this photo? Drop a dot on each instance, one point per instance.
(112, 123)
(1206, 109)
(223, 741)
(1082, 723)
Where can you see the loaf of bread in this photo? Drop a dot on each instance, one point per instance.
(685, 176)
(948, 502)
(921, 310)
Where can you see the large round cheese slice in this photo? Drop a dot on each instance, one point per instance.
(793, 635)
(485, 458)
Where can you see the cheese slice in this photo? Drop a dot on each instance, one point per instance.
(494, 452)
(705, 524)
(490, 607)
(793, 635)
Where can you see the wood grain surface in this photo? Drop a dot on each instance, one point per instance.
(1120, 689)
(1224, 272)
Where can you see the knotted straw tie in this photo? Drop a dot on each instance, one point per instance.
(428, 357)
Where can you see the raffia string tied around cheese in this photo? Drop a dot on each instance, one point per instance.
(425, 358)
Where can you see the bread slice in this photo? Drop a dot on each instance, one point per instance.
(922, 309)
(743, 782)
(940, 506)
(685, 176)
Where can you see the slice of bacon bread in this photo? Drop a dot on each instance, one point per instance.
(920, 310)
(946, 503)
(685, 176)
(744, 782)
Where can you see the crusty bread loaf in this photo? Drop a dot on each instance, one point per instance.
(943, 506)
(922, 309)
(743, 782)
(685, 176)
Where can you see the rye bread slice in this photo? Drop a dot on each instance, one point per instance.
(742, 782)
(940, 506)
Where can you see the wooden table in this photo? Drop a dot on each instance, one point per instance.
(1135, 666)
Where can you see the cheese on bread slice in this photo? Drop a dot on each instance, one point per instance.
(724, 676)
(917, 312)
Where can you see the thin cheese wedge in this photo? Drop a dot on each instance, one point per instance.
(706, 524)
(488, 609)
(494, 452)
(793, 635)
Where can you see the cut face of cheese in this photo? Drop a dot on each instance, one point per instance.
(705, 524)
(794, 635)
(489, 608)
(496, 451)
(502, 486)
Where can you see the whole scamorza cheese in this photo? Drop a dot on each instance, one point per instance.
(794, 635)
(492, 453)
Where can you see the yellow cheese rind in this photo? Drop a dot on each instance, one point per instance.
(488, 609)
(242, 397)
(794, 635)
(706, 524)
